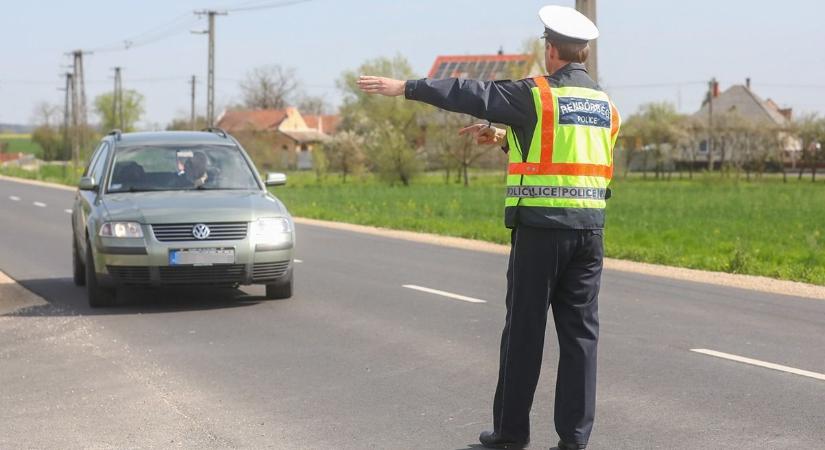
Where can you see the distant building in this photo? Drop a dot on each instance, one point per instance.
(741, 100)
(485, 67)
(286, 130)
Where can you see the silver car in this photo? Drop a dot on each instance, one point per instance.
(178, 208)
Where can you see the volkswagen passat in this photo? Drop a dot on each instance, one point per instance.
(178, 208)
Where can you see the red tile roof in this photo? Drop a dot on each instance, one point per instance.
(329, 122)
(251, 119)
(480, 67)
(6, 157)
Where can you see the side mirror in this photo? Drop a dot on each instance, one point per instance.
(275, 179)
(88, 184)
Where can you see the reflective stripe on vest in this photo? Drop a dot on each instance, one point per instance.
(572, 147)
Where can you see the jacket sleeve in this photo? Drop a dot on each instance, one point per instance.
(507, 102)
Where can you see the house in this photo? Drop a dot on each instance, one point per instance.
(486, 67)
(18, 159)
(741, 100)
(285, 131)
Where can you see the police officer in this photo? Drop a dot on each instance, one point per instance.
(560, 134)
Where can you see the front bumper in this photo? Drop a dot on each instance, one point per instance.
(145, 262)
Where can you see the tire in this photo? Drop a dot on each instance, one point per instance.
(99, 296)
(280, 290)
(78, 268)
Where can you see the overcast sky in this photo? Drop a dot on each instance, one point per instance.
(650, 50)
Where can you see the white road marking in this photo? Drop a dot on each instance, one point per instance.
(14, 198)
(67, 211)
(40, 204)
(756, 362)
(463, 298)
(299, 261)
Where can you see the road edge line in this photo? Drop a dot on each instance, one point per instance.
(760, 363)
(37, 183)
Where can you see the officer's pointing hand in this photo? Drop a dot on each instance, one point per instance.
(485, 134)
(381, 85)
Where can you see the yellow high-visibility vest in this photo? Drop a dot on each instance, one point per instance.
(569, 162)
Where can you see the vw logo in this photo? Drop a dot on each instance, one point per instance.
(200, 231)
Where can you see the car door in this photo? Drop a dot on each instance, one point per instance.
(85, 200)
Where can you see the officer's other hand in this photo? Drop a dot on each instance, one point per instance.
(381, 85)
(484, 134)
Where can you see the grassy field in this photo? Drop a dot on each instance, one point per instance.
(761, 228)
(20, 143)
(50, 173)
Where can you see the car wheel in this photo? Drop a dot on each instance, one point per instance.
(280, 290)
(78, 268)
(98, 295)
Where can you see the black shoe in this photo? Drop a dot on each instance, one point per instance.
(490, 439)
(566, 446)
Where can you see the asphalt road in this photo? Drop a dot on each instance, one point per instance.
(356, 360)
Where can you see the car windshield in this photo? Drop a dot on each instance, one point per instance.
(165, 168)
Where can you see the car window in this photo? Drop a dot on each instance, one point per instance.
(99, 165)
(93, 159)
(160, 168)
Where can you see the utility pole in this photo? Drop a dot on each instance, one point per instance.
(117, 101)
(79, 95)
(588, 8)
(210, 82)
(66, 146)
(192, 109)
(75, 123)
(711, 93)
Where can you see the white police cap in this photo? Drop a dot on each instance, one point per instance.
(566, 24)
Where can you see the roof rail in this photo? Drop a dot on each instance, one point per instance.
(216, 130)
(116, 133)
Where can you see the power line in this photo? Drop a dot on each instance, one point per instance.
(268, 5)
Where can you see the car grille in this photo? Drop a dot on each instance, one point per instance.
(269, 271)
(219, 274)
(129, 275)
(178, 232)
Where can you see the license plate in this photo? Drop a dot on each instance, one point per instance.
(201, 256)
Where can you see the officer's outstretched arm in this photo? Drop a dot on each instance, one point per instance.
(508, 102)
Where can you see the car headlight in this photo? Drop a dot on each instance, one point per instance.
(272, 229)
(121, 230)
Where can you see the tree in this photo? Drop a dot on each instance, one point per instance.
(811, 131)
(47, 133)
(269, 87)
(185, 123)
(308, 104)
(394, 126)
(394, 159)
(133, 110)
(659, 129)
(455, 150)
(345, 152)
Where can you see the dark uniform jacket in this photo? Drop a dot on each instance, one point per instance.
(511, 103)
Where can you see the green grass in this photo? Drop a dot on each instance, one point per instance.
(50, 173)
(760, 228)
(20, 143)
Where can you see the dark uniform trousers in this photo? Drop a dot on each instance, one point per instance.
(559, 269)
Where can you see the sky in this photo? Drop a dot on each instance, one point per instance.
(649, 50)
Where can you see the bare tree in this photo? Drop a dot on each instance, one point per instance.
(309, 104)
(269, 87)
(443, 139)
(345, 152)
(811, 131)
